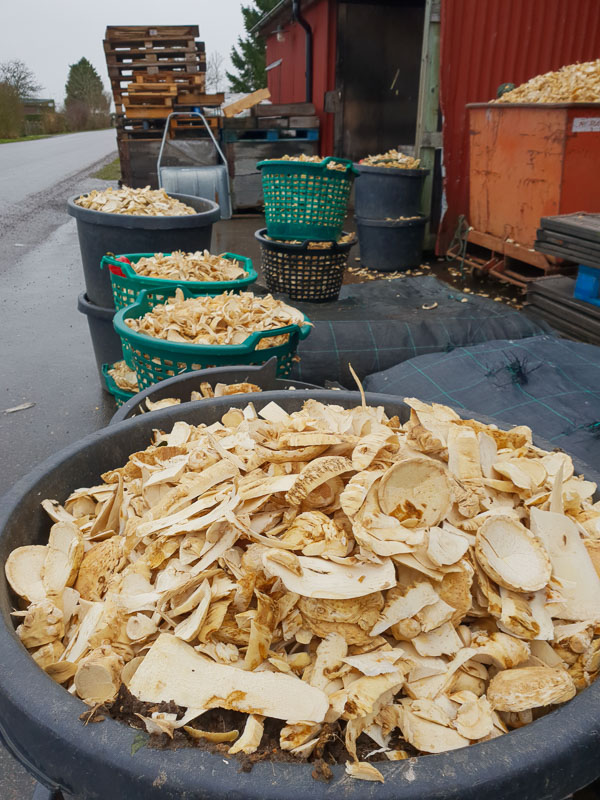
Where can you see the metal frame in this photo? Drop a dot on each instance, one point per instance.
(225, 205)
(164, 138)
(428, 139)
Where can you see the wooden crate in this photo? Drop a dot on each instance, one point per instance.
(242, 157)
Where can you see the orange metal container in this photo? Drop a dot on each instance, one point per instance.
(529, 161)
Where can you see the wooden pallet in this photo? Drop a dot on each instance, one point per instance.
(143, 87)
(199, 99)
(133, 33)
(505, 260)
(126, 72)
(148, 112)
(181, 123)
(133, 126)
(146, 58)
(180, 78)
(151, 45)
(284, 110)
(144, 100)
(271, 135)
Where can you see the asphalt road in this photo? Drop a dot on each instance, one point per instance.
(28, 168)
(45, 353)
(46, 356)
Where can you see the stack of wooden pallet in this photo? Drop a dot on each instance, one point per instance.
(154, 71)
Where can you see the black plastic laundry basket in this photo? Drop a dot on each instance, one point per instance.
(304, 272)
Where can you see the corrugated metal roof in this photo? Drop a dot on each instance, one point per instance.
(486, 43)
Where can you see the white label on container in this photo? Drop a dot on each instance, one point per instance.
(582, 124)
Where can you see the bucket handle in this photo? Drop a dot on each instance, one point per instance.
(166, 130)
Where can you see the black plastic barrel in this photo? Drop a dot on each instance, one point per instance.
(181, 386)
(100, 233)
(388, 192)
(39, 720)
(105, 341)
(391, 245)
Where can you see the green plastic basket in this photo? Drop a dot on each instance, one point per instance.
(155, 360)
(305, 200)
(126, 288)
(121, 395)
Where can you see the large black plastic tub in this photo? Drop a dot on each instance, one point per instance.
(388, 191)
(181, 386)
(105, 341)
(39, 720)
(391, 245)
(101, 233)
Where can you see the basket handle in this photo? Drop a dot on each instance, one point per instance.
(346, 161)
(113, 264)
(296, 332)
(237, 257)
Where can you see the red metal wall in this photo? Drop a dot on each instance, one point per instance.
(488, 42)
(287, 82)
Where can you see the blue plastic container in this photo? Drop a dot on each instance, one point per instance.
(587, 285)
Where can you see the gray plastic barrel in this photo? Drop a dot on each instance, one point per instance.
(391, 245)
(105, 341)
(385, 192)
(101, 233)
(40, 724)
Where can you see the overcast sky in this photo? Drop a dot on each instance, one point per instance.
(49, 35)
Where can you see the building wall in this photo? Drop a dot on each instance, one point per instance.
(287, 82)
(488, 42)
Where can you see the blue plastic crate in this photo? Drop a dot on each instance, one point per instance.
(587, 285)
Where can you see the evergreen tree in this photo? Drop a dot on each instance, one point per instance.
(248, 57)
(86, 103)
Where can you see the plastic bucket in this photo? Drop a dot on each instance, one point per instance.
(303, 273)
(305, 200)
(388, 192)
(391, 245)
(101, 233)
(106, 343)
(157, 359)
(39, 720)
(181, 386)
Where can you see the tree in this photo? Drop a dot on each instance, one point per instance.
(248, 57)
(16, 74)
(86, 103)
(11, 112)
(215, 74)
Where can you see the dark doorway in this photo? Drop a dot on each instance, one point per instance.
(377, 76)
